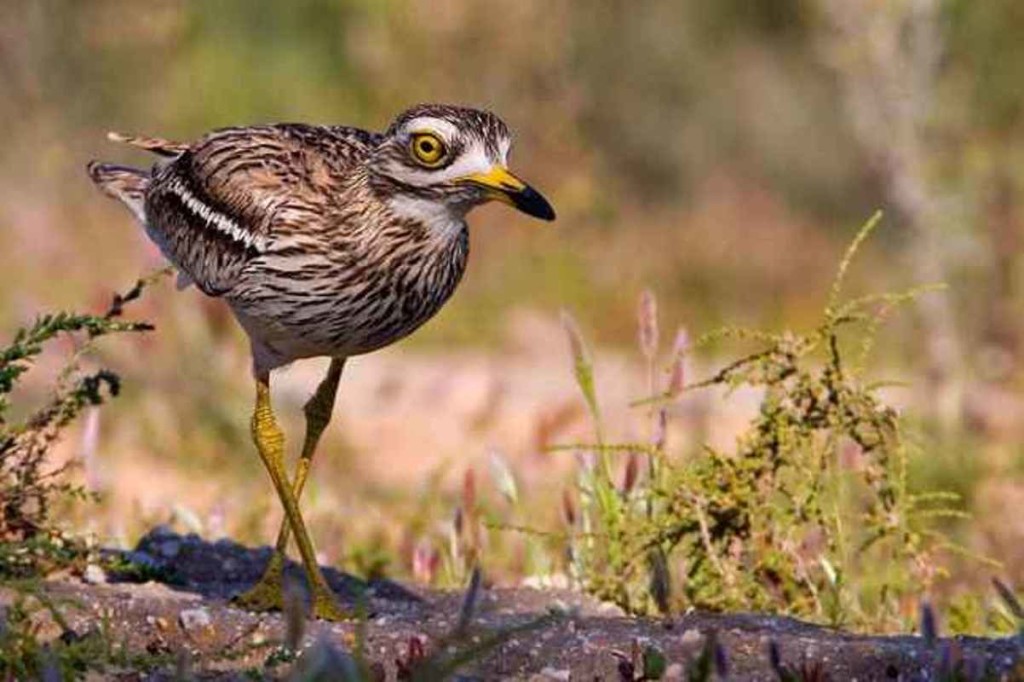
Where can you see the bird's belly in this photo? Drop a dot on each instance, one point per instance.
(305, 323)
(306, 305)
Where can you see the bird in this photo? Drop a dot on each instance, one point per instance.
(324, 241)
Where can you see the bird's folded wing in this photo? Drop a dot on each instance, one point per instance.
(222, 202)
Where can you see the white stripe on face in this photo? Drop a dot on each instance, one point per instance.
(444, 129)
(472, 159)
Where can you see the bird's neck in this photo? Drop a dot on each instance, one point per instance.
(442, 221)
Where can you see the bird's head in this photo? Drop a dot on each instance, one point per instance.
(445, 158)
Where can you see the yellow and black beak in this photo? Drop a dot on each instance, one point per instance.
(501, 185)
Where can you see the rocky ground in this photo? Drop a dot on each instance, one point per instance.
(180, 621)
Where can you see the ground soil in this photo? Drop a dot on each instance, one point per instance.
(186, 617)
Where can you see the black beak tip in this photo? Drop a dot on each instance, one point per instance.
(531, 202)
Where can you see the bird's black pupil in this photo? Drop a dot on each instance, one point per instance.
(426, 146)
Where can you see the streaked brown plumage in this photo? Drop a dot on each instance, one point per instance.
(295, 226)
(323, 240)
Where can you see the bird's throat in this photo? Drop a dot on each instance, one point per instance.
(443, 221)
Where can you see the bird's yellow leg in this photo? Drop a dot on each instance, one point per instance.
(270, 444)
(267, 593)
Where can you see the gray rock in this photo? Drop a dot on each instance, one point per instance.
(140, 558)
(692, 637)
(94, 575)
(192, 620)
(170, 548)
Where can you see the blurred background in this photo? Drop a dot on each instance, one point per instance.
(721, 153)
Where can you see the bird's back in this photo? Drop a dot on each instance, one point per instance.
(229, 198)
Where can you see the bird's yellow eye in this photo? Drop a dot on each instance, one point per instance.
(428, 149)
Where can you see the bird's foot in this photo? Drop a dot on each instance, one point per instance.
(269, 595)
(326, 607)
(266, 595)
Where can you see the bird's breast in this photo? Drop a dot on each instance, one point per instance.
(350, 298)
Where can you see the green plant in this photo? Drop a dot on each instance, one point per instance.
(122, 567)
(30, 542)
(810, 515)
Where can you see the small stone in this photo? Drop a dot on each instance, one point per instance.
(674, 672)
(94, 575)
(553, 674)
(194, 619)
(170, 548)
(692, 637)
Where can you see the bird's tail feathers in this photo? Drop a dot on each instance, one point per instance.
(128, 185)
(152, 144)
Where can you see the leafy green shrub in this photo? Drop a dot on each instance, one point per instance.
(810, 515)
(30, 542)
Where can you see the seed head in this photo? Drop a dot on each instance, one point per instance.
(647, 325)
(677, 371)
